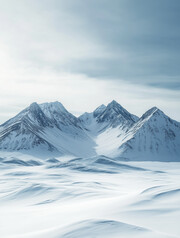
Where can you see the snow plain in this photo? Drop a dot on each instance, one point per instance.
(93, 197)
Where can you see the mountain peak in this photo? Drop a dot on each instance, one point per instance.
(116, 114)
(53, 106)
(116, 107)
(114, 104)
(34, 107)
(101, 107)
(151, 112)
(58, 114)
(99, 110)
(109, 129)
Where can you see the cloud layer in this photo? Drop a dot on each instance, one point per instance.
(84, 53)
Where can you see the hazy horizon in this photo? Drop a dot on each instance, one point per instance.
(85, 54)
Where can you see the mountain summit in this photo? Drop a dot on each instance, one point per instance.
(155, 136)
(46, 127)
(109, 130)
(110, 116)
(116, 114)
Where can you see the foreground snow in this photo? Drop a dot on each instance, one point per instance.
(93, 197)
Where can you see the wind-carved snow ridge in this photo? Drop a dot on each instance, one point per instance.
(110, 130)
(67, 197)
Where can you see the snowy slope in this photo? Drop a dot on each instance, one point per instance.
(111, 116)
(47, 126)
(154, 136)
(107, 124)
(66, 194)
(88, 197)
(110, 130)
(58, 115)
(90, 123)
(23, 131)
(115, 114)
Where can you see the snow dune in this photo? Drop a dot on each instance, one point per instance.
(68, 197)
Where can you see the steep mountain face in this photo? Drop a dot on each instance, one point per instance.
(31, 115)
(115, 114)
(58, 115)
(104, 117)
(105, 125)
(48, 126)
(87, 119)
(109, 130)
(154, 137)
(22, 131)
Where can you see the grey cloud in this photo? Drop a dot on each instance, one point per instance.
(142, 36)
(133, 40)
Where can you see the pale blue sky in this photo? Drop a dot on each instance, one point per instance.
(85, 53)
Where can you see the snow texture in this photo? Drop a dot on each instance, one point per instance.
(110, 130)
(66, 197)
(103, 174)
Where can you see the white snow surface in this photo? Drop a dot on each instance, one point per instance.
(106, 174)
(68, 197)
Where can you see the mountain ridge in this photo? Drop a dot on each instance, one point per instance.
(155, 132)
(109, 130)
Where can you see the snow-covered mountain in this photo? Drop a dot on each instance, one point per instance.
(23, 131)
(155, 136)
(47, 126)
(111, 116)
(105, 125)
(110, 130)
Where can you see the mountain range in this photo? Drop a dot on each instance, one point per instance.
(109, 130)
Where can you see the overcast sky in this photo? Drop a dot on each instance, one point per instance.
(87, 52)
